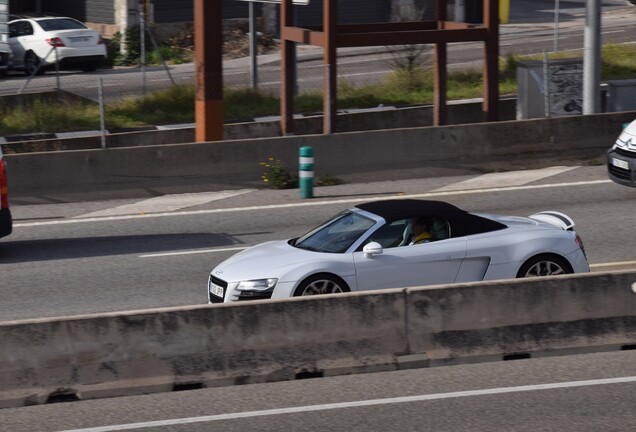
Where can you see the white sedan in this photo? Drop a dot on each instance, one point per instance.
(369, 247)
(39, 43)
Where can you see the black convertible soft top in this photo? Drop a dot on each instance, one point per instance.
(462, 222)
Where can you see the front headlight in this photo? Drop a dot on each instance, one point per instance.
(257, 285)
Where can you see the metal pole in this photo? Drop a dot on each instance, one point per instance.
(142, 38)
(253, 47)
(158, 50)
(28, 80)
(546, 83)
(102, 120)
(57, 71)
(556, 25)
(592, 58)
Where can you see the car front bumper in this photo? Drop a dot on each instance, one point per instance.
(621, 167)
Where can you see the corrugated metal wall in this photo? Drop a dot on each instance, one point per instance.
(167, 11)
(96, 11)
(349, 12)
(100, 11)
(181, 10)
(18, 7)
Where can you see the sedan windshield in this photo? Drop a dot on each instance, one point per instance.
(337, 234)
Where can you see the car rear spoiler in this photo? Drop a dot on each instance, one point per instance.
(555, 218)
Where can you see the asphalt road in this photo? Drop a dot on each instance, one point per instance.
(66, 259)
(583, 393)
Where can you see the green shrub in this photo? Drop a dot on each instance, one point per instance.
(277, 176)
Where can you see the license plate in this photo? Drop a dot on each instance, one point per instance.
(620, 163)
(216, 290)
(80, 39)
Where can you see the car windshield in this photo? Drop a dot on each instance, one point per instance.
(61, 24)
(337, 234)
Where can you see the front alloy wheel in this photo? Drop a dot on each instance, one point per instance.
(321, 284)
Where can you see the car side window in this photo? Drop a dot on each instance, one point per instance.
(391, 234)
(28, 29)
(426, 230)
(440, 230)
(21, 28)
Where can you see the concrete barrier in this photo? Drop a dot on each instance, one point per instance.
(355, 156)
(169, 349)
(459, 112)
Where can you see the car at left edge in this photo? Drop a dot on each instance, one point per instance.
(368, 247)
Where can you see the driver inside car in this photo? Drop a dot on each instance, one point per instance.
(421, 231)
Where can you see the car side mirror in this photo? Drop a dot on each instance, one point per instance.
(371, 249)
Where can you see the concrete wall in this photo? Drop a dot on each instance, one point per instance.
(216, 345)
(354, 156)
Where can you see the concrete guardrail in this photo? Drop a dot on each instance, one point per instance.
(355, 156)
(115, 354)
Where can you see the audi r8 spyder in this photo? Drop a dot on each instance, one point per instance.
(368, 247)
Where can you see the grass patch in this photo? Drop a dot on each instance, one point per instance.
(176, 105)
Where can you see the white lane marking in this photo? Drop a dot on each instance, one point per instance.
(309, 204)
(614, 264)
(612, 31)
(200, 251)
(166, 203)
(513, 178)
(356, 404)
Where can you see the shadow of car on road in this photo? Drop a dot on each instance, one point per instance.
(12, 252)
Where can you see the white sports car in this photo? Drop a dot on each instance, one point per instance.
(369, 247)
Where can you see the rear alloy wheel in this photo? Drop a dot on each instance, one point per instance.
(544, 265)
(31, 63)
(321, 284)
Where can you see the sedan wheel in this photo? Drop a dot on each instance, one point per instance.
(321, 284)
(544, 265)
(31, 63)
(90, 67)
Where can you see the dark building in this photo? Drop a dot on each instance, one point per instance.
(109, 16)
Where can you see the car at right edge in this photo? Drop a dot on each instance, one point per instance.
(621, 158)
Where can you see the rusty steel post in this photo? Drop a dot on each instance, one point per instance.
(330, 93)
(208, 34)
(491, 63)
(286, 71)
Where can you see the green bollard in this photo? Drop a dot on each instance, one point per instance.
(306, 172)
